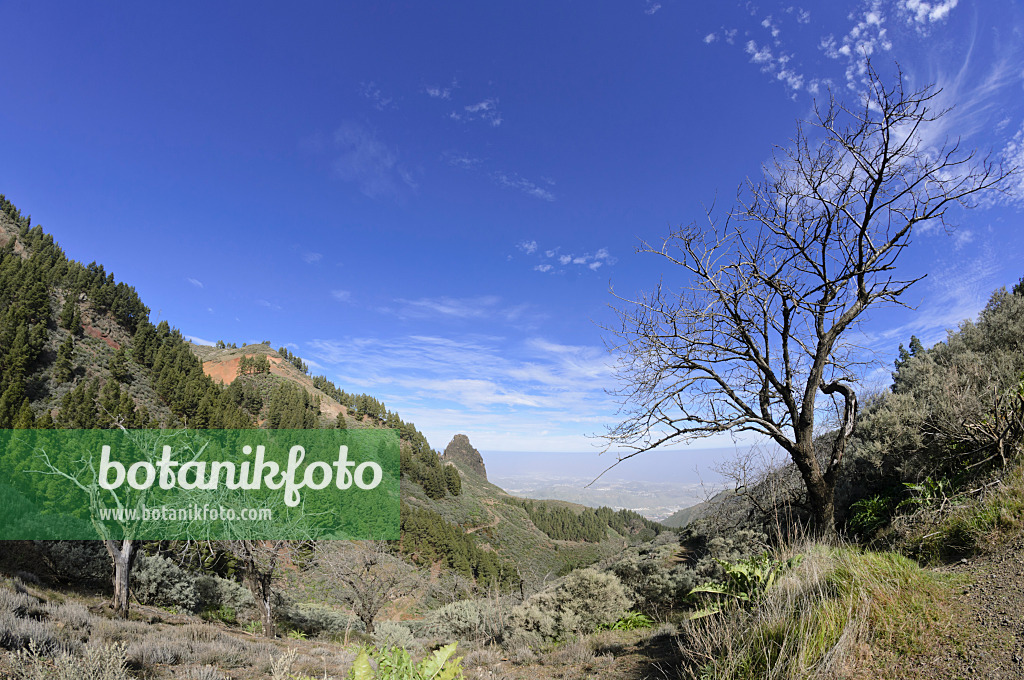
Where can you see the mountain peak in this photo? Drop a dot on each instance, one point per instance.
(459, 450)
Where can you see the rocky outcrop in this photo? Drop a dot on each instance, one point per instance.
(460, 451)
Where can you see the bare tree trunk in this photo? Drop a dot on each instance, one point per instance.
(123, 557)
(265, 603)
(259, 561)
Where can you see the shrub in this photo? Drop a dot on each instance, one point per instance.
(584, 600)
(630, 621)
(655, 586)
(395, 662)
(216, 593)
(469, 620)
(393, 634)
(150, 652)
(75, 561)
(314, 619)
(158, 581)
(204, 673)
(24, 620)
(96, 663)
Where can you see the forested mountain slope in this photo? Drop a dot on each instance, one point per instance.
(77, 350)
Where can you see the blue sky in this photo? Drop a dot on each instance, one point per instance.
(429, 202)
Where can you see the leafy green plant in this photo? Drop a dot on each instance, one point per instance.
(222, 613)
(296, 635)
(870, 514)
(254, 627)
(927, 493)
(745, 581)
(631, 620)
(394, 663)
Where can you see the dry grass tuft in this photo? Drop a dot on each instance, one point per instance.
(817, 620)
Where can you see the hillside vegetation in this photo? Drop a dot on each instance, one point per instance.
(524, 589)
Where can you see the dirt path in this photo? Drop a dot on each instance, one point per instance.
(493, 523)
(984, 636)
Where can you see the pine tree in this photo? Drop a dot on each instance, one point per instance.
(25, 420)
(67, 313)
(452, 480)
(118, 366)
(10, 403)
(63, 369)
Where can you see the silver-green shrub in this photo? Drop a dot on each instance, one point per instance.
(159, 581)
(583, 600)
(393, 634)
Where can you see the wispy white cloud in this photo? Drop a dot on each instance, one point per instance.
(777, 65)
(961, 238)
(1013, 157)
(510, 180)
(461, 160)
(439, 92)
(650, 7)
(195, 282)
(311, 258)
(369, 163)
(269, 305)
(803, 16)
(924, 13)
(867, 38)
(485, 110)
(442, 91)
(514, 181)
(380, 101)
(591, 261)
(479, 374)
(489, 307)
(950, 295)
(199, 341)
(459, 308)
(710, 38)
(528, 247)
(342, 295)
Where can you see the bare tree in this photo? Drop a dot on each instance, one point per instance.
(363, 575)
(120, 532)
(260, 561)
(758, 338)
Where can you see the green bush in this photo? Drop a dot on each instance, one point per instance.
(394, 663)
(159, 581)
(393, 634)
(75, 561)
(481, 620)
(630, 621)
(315, 619)
(584, 600)
(217, 594)
(656, 584)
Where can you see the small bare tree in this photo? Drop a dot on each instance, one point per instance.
(758, 338)
(122, 543)
(261, 561)
(364, 576)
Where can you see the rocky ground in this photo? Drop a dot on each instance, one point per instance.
(982, 631)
